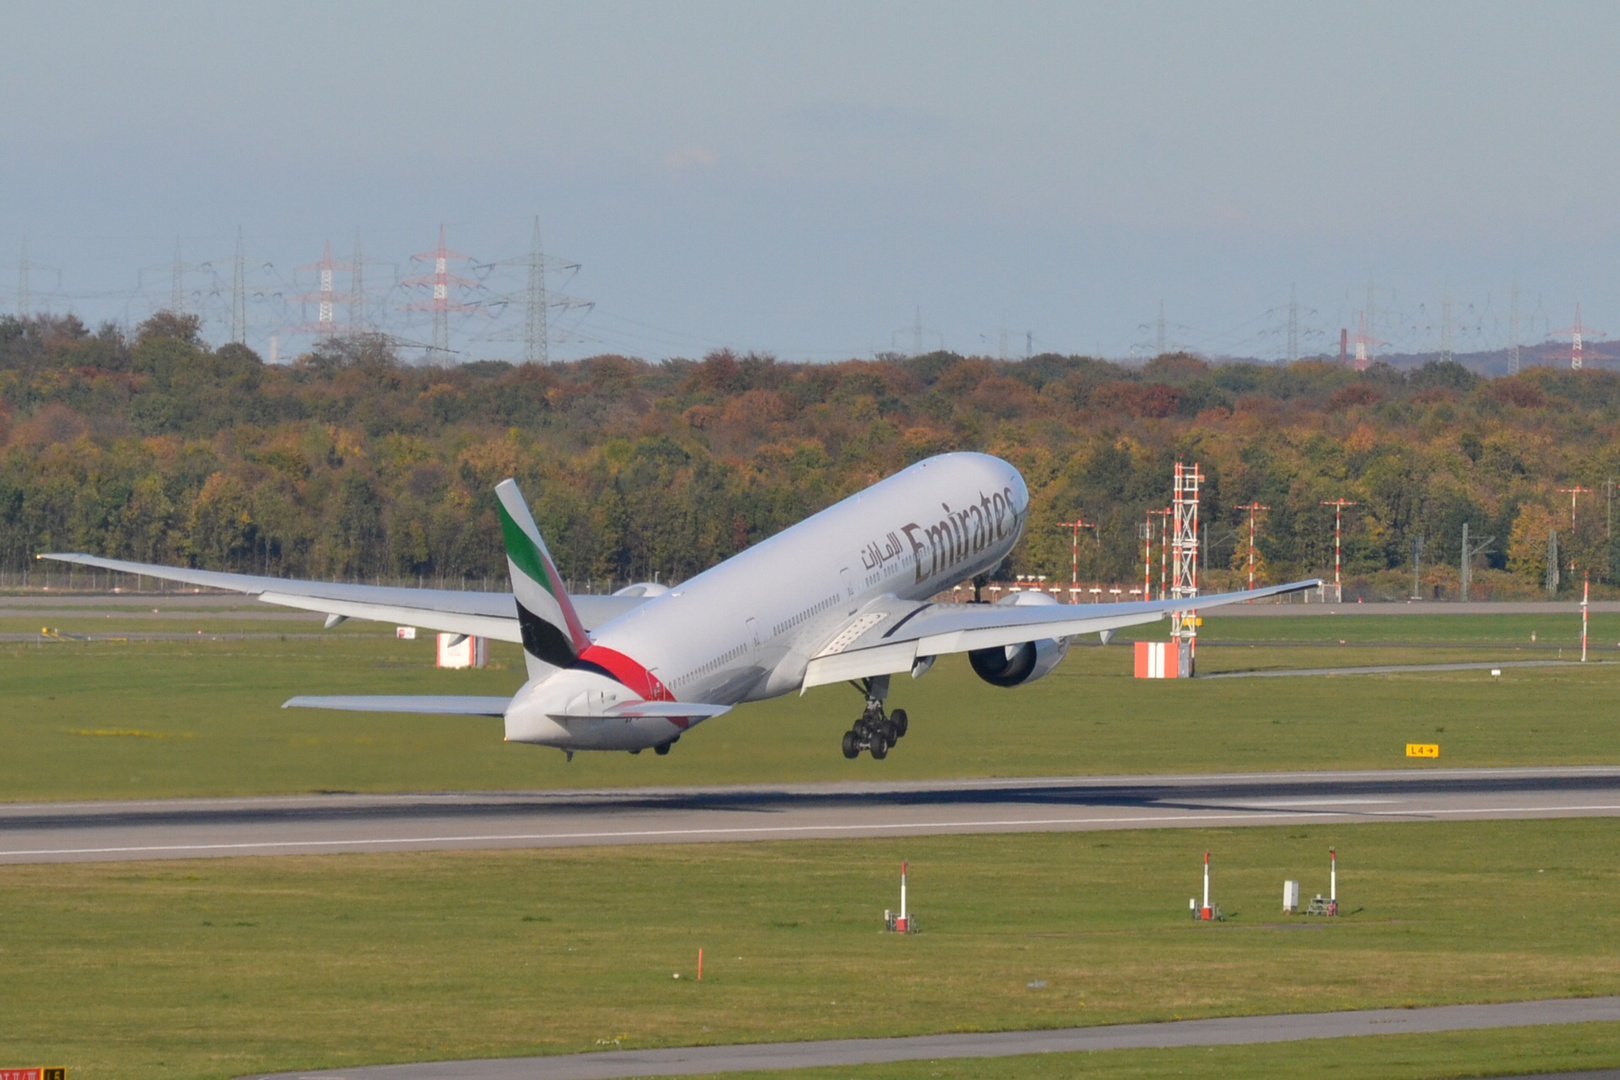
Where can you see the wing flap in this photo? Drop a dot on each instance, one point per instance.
(446, 705)
(451, 622)
(843, 666)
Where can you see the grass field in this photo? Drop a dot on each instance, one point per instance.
(216, 968)
(194, 717)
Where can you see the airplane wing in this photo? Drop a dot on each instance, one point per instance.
(480, 614)
(893, 636)
(443, 704)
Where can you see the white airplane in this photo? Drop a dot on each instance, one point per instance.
(843, 596)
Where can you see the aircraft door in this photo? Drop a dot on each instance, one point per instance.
(849, 583)
(753, 633)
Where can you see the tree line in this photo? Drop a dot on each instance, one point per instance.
(349, 464)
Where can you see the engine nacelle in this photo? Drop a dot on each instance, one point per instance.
(648, 589)
(1014, 665)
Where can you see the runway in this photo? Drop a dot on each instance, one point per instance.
(323, 824)
(1232, 1031)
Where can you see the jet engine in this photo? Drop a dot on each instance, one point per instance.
(649, 589)
(1014, 665)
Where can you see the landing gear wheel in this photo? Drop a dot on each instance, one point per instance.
(662, 749)
(880, 746)
(852, 745)
(898, 720)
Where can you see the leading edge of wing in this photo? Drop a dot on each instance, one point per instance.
(445, 705)
(1064, 620)
(951, 628)
(469, 612)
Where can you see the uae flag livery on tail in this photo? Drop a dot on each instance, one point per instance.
(551, 631)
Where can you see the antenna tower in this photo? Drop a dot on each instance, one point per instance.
(1513, 331)
(1370, 327)
(441, 281)
(1184, 545)
(1578, 335)
(536, 332)
(1445, 326)
(325, 297)
(177, 296)
(357, 287)
(25, 301)
(239, 293)
(1293, 326)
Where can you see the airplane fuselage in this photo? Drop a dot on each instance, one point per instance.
(747, 628)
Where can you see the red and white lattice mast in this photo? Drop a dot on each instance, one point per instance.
(1364, 342)
(441, 282)
(1578, 335)
(325, 297)
(1184, 551)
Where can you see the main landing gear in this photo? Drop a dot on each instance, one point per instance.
(876, 730)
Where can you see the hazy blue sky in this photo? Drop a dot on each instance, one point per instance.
(800, 178)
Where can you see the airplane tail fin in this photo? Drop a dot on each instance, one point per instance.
(552, 632)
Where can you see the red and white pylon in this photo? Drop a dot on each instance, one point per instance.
(1074, 564)
(901, 923)
(1338, 536)
(1205, 912)
(1333, 882)
(1586, 600)
(1252, 508)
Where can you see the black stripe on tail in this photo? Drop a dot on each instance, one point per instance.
(543, 640)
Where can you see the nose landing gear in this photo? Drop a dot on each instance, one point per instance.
(876, 731)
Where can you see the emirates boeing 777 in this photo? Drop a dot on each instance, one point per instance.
(843, 596)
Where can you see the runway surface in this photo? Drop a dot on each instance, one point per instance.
(201, 828)
(1233, 1031)
(1392, 669)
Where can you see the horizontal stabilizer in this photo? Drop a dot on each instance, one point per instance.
(446, 704)
(688, 709)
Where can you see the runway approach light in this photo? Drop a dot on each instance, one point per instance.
(1208, 912)
(1330, 906)
(901, 923)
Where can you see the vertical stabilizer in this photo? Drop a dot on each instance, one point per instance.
(552, 632)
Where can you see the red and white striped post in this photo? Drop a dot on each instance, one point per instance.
(1204, 912)
(1147, 557)
(1338, 534)
(902, 924)
(1586, 599)
(1333, 881)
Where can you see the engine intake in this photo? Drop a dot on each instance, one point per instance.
(1014, 665)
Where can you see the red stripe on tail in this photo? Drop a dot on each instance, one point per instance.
(627, 671)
